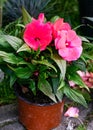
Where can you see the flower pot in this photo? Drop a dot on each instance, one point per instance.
(36, 117)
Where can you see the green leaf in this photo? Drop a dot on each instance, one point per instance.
(24, 47)
(45, 62)
(78, 65)
(3, 43)
(20, 25)
(89, 18)
(59, 94)
(55, 83)
(23, 73)
(62, 83)
(74, 95)
(61, 64)
(26, 17)
(13, 41)
(45, 87)
(11, 58)
(6, 69)
(32, 86)
(13, 78)
(84, 39)
(88, 56)
(53, 19)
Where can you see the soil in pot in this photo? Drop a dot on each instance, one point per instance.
(26, 94)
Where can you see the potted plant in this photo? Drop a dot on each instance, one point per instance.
(40, 57)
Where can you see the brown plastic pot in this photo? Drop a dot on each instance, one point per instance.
(36, 117)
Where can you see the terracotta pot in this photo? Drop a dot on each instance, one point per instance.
(36, 117)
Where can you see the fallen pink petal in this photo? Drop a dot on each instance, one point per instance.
(72, 112)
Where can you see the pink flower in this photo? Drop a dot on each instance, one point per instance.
(38, 34)
(59, 25)
(87, 77)
(72, 112)
(68, 45)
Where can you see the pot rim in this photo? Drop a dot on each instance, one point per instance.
(37, 104)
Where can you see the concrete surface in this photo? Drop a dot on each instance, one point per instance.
(9, 119)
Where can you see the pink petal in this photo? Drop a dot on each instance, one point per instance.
(87, 74)
(76, 41)
(66, 26)
(60, 43)
(71, 35)
(72, 112)
(87, 78)
(41, 17)
(35, 44)
(60, 25)
(91, 74)
(71, 83)
(70, 54)
(60, 40)
(82, 74)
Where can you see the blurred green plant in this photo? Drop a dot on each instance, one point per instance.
(88, 47)
(63, 8)
(81, 127)
(6, 92)
(1, 11)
